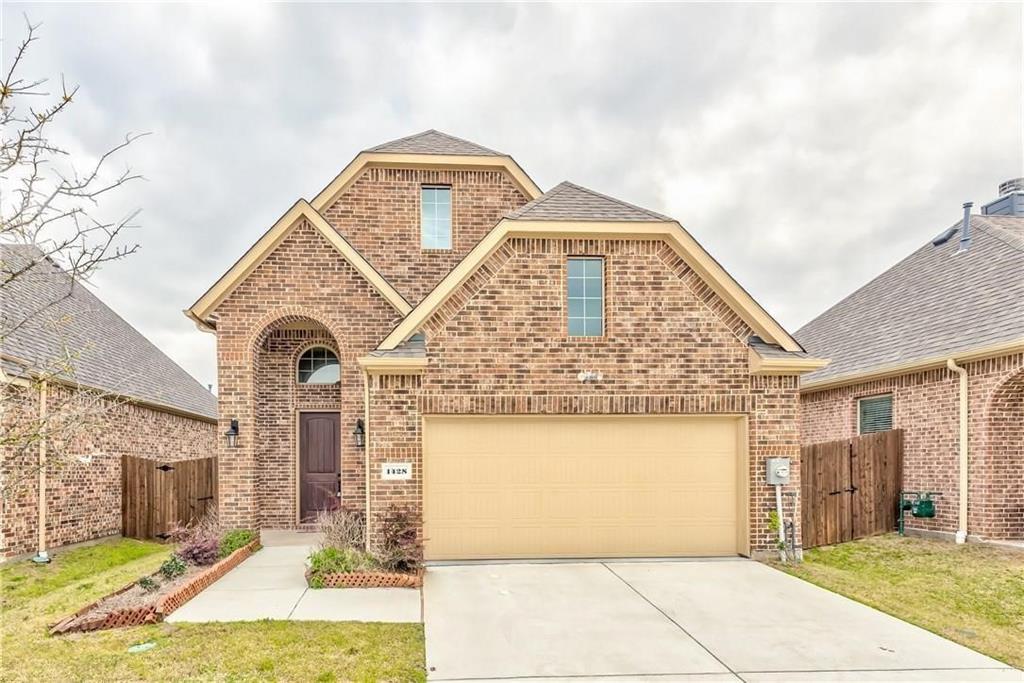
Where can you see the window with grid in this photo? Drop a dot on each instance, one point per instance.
(586, 297)
(875, 414)
(435, 217)
(319, 365)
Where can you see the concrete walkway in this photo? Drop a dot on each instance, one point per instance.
(272, 585)
(725, 620)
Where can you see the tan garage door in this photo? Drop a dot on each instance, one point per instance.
(529, 487)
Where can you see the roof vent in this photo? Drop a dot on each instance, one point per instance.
(965, 229)
(1010, 202)
(944, 237)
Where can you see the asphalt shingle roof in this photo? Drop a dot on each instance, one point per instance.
(932, 303)
(570, 202)
(113, 356)
(434, 142)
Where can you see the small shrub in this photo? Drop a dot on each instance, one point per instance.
(209, 525)
(200, 550)
(342, 528)
(338, 560)
(400, 548)
(148, 584)
(235, 539)
(173, 567)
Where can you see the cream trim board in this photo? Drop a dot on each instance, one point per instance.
(201, 309)
(350, 173)
(392, 366)
(671, 231)
(919, 365)
(759, 365)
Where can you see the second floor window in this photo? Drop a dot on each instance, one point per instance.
(586, 297)
(436, 217)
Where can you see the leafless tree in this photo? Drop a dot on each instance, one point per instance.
(50, 213)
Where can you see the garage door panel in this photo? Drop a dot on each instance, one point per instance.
(505, 487)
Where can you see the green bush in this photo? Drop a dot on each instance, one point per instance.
(148, 584)
(336, 561)
(173, 567)
(235, 539)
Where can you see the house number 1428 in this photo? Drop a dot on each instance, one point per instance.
(396, 470)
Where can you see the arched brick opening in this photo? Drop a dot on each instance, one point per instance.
(1004, 442)
(278, 402)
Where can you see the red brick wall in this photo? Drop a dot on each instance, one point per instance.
(500, 346)
(380, 215)
(304, 282)
(84, 499)
(926, 407)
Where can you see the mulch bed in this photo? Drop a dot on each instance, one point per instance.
(370, 580)
(133, 606)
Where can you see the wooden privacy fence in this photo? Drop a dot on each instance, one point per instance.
(850, 488)
(155, 496)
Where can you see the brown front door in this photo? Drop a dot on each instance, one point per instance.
(319, 463)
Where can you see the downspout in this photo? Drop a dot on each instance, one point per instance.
(366, 450)
(42, 557)
(961, 532)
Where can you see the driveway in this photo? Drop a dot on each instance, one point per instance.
(708, 620)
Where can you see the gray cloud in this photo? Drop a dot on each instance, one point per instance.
(808, 147)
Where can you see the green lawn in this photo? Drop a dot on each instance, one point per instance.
(972, 594)
(35, 597)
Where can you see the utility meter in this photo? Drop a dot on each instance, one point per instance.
(778, 470)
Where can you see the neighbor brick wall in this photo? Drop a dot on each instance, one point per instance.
(380, 215)
(926, 407)
(500, 346)
(84, 499)
(303, 282)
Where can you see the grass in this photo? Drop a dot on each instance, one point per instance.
(972, 594)
(36, 597)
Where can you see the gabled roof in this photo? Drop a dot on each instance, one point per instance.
(434, 142)
(570, 202)
(589, 219)
(429, 149)
(932, 305)
(201, 309)
(50, 314)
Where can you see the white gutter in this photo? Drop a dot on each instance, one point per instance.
(961, 532)
(366, 453)
(42, 556)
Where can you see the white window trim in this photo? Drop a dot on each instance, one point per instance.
(604, 297)
(451, 216)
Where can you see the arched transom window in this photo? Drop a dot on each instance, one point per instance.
(319, 365)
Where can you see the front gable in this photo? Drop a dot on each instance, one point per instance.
(301, 214)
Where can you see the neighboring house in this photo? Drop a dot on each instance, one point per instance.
(118, 395)
(895, 347)
(555, 374)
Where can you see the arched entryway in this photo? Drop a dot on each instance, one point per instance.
(1004, 442)
(305, 389)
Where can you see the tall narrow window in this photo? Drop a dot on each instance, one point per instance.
(874, 414)
(586, 297)
(319, 365)
(436, 217)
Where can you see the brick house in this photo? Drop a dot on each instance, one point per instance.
(555, 374)
(118, 395)
(935, 346)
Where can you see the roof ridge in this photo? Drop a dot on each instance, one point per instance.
(531, 206)
(993, 230)
(433, 131)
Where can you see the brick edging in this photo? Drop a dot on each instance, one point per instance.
(154, 612)
(369, 580)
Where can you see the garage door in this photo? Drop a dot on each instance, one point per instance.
(532, 487)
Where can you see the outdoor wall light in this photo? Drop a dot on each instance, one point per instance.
(360, 434)
(232, 434)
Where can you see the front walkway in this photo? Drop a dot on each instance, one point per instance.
(272, 585)
(708, 620)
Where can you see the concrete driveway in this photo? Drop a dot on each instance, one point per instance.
(708, 620)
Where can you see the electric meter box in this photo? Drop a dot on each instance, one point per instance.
(778, 470)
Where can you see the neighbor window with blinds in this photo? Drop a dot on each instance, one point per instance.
(436, 217)
(586, 297)
(875, 414)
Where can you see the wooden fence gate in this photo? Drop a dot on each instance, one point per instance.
(850, 488)
(155, 496)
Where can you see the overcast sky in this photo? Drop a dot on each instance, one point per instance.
(807, 147)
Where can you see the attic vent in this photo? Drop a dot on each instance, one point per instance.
(944, 237)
